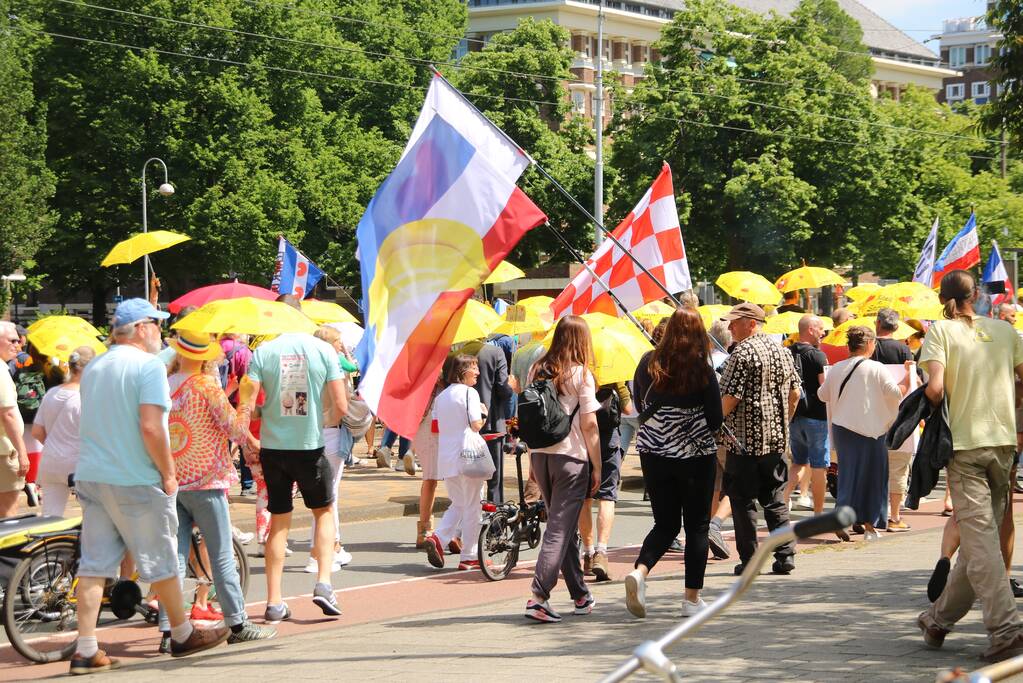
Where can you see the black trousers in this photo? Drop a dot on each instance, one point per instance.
(753, 480)
(495, 486)
(680, 493)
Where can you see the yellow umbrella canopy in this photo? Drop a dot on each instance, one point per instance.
(654, 310)
(326, 312)
(519, 319)
(861, 292)
(537, 304)
(505, 272)
(808, 277)
(477, 321)
(246, 315)
(788, 323)
(838, 337)
(618, 345)
(711, 312)
(139, 245)
(66, 324)
(908, 299)
(747, 286)
(53, 341)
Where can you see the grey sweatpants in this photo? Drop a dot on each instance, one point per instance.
(563, 484)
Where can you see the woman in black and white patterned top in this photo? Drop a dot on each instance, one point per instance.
(676, 392)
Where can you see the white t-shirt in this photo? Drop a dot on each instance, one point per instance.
(58, 414)
(8, 399)
(454, 408)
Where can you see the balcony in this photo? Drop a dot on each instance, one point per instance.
(965, 25)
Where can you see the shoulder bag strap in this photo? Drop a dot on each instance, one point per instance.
(847, 376)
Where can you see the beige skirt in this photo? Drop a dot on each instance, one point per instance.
(425, 443)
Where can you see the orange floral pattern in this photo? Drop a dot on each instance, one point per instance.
(201, 423)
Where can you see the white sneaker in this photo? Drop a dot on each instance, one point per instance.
(805, 502)
(342, 556)
(312, 566)
(243, 537)
(635, 593)
(691, 609)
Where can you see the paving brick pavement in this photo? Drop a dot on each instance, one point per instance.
(846, 614)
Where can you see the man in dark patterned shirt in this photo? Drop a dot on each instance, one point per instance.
(759, 392)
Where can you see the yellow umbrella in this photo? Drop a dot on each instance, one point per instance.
(246, 315)
(860, 292)
(326, 312)
(505, 272)
(788, 323)
(519, 320)
(837, 337)
(908, 299)
(478, 321)
(537, 304)
(66, 324)
(808, 277)
(711, 312)
(52, 341)
(139, 245)
(654, 310)
(618, 346)
(747, 286)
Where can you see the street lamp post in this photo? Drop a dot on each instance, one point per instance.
(166, 189)
(16, 276)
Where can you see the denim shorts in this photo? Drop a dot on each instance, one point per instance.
(808, 439)
(139, 520)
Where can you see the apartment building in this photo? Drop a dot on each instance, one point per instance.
(967, 45)
(631, 27)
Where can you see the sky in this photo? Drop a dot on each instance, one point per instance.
(922, 18)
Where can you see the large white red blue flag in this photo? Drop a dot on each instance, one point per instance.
(962, 253)
(995, 271)
(294, 273)
(444, 218)
(651, 232)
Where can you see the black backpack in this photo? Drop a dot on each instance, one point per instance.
(542, 420)
(609, 415)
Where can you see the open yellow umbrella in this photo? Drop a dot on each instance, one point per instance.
(477, 321)
(141, 244)
(326, 312)
(519, 320)
(838, 337)
(908, 299)
(747, 286)
(52, 341)
(246, 315)
(537, 304)
(861, 292)
(788, 323)
(618, 345)
(66, 324)
(655, 310)
(711, 312)
(808, 277)
(505, 272)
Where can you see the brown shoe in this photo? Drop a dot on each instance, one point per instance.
(600, 567)
(455, 546)
(934, 636)
(201, 639)
(900, 525)
(422, 530)
(587, 564)
(1009, 649)
(98, 662)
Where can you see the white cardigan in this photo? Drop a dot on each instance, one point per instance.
(870, 402)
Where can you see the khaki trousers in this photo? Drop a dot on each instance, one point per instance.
(979, 480)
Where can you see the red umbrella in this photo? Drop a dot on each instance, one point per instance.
(225, 290)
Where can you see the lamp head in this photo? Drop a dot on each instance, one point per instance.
(166, 189)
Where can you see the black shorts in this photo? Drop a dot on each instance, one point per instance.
(309, 469)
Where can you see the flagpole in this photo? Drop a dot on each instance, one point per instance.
(558, 186)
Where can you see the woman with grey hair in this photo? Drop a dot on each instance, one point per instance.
(864, 401)
(56, 427)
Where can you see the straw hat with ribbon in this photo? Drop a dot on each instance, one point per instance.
(196, 345)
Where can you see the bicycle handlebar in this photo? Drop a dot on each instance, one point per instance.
(839, 518)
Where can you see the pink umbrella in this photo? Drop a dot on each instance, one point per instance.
(225, 290)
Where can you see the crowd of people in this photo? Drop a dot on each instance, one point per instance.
(728, 421)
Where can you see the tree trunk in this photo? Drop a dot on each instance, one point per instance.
(99, 305)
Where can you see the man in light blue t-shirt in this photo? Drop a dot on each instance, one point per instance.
(126, 483)
(299, 375)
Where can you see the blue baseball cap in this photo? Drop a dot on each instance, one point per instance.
(132, 310)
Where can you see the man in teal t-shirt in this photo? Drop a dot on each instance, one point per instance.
(294, 371)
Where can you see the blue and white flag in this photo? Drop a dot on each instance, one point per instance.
(294, 273)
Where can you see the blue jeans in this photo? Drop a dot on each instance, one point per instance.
(388, 441)
(628, 429)
(208, 510)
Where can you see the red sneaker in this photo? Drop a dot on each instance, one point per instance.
(208, 614)
(467, 565)
(435, 551)
(455, 546)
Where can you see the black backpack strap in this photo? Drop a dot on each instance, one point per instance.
(846, 380)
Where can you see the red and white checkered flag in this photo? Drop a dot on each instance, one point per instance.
(652, 234)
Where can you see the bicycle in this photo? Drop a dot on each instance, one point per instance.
(506, 526)
(39, 606)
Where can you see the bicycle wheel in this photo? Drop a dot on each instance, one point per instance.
(498, 548)
(39, 614)
(241, 561)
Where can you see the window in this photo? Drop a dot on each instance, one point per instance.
(981, 54)
(579, 101)
(955, 91)
(462, 49)
(956, 56)
(980, 89)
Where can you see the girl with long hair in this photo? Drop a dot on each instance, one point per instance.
(676, 390)
(567, 471)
